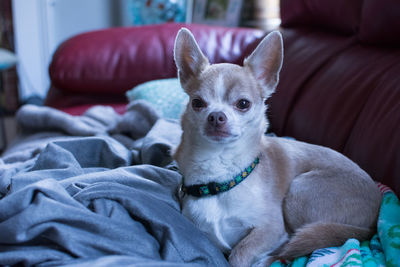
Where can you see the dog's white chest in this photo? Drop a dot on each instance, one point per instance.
(225, 220)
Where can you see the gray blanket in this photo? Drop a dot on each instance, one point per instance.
(96, 190)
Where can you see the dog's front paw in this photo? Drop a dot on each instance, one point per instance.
(239, 259)
(263, 260)
(235, 261)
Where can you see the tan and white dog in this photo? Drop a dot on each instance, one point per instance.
(260, 198)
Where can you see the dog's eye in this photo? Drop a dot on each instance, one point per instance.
(198, 104)
(243, 104)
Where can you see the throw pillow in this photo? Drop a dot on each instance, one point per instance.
(165, 95)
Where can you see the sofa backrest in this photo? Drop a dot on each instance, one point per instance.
(371, 21)
(340, 83)
(100, 66)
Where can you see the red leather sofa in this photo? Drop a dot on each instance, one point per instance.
(339, 86)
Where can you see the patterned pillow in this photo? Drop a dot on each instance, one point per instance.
(165, 95)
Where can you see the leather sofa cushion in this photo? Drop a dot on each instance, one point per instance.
(374, 140)
(60, 99)
(343, 95)
(340, 16)
(380, 23)
(112, 61)
(306, 53)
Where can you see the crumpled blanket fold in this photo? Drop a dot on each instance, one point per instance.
(91, 191)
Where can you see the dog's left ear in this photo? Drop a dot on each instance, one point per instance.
(266, 62)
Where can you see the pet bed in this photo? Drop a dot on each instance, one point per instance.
(100, 190)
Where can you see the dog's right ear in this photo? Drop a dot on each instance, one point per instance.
(188, 57)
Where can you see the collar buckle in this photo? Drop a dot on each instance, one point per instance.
(181, 192)
(213, 188)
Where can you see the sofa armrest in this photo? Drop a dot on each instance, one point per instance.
(112, 61)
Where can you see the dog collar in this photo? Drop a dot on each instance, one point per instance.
(213, 188)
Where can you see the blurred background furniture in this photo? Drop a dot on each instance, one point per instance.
(41, 25)
(9, 101)
(7, 61)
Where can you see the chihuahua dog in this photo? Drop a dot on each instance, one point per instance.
(260, 198)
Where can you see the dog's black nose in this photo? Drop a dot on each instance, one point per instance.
(217, 119)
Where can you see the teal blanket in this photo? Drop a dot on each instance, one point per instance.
(382, 250)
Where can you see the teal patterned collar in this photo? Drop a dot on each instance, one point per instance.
(213, 188)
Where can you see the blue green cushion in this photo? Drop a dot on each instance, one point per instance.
(7, 59)
(165, 95)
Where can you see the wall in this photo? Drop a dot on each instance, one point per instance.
(41, 25)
